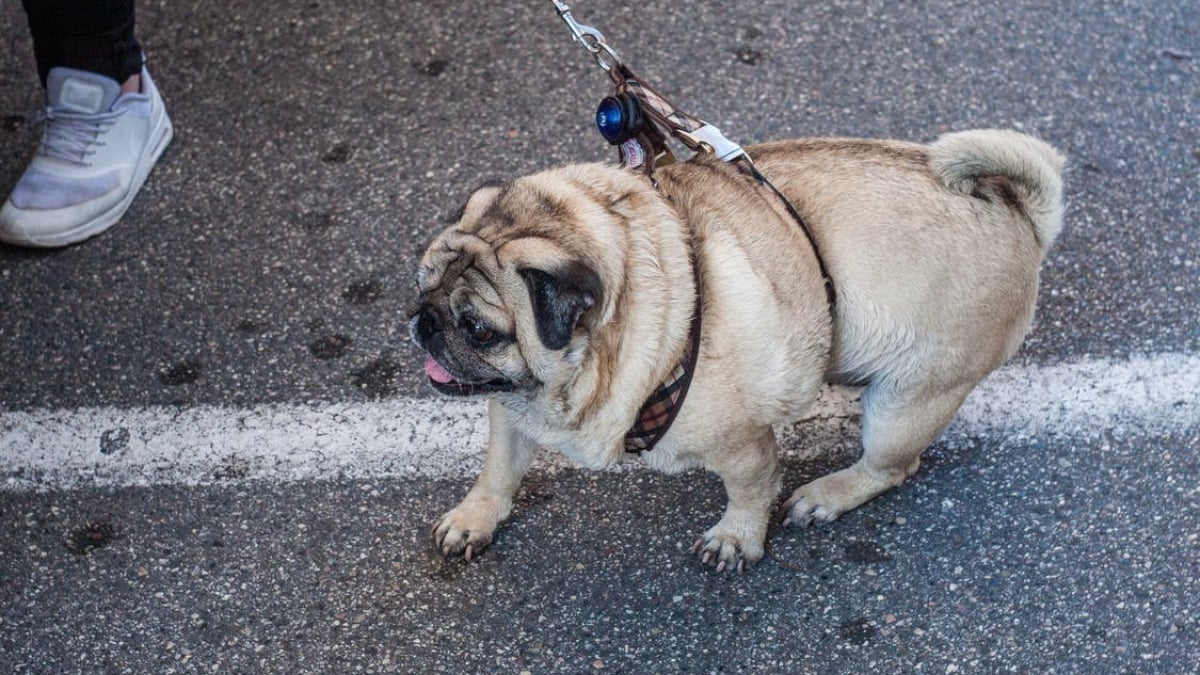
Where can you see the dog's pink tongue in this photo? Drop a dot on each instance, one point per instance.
(436, 372)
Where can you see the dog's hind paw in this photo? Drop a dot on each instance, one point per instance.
(803, 511)
(828, 497)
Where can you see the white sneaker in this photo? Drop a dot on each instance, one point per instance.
(97, 148)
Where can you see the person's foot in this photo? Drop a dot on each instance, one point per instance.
(97, 148)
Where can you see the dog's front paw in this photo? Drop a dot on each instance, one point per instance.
(730, 545)
(468, 528)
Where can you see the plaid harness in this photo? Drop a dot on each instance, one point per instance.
(660, 409)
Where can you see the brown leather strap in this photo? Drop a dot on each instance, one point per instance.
(747, 167)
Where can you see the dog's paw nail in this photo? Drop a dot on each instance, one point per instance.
(470, 552)
(696, 546)
(704, 558)
(721, 566)
(798, 518)
(741, 567)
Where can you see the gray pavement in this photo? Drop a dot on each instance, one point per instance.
(319, 145)
(1001, 557)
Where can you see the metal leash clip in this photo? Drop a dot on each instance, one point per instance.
(590, 38)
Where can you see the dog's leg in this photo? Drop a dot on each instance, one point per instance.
(897, 427)
(750, 471)
(468, 528)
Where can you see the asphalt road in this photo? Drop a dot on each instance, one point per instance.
(319, 145)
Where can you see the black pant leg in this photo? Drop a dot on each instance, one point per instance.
(93, 35)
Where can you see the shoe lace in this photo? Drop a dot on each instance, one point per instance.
(74, 136)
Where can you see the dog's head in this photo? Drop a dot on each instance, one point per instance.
(512, 292)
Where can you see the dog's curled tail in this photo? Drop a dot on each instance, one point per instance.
(1005, 166)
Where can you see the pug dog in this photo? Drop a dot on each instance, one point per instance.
(568, 297)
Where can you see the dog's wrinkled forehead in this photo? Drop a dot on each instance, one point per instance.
(453, 255)
(494, 216)
(458, 247)
(459, 273)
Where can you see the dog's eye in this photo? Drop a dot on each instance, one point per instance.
(483, 335)
(478, 333)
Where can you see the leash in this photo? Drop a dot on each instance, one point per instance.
(638, 120)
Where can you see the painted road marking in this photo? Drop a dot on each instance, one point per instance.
(445, 438)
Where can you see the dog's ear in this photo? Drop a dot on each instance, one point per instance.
(560, 298)
(485, 193)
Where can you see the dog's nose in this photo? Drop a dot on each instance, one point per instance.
(426, 325)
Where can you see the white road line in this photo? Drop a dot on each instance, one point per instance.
(445, 438)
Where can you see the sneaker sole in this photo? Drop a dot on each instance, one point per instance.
(160, 138)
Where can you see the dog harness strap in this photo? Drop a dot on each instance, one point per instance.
(660, 410)
(830, 292)
(662, 111)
